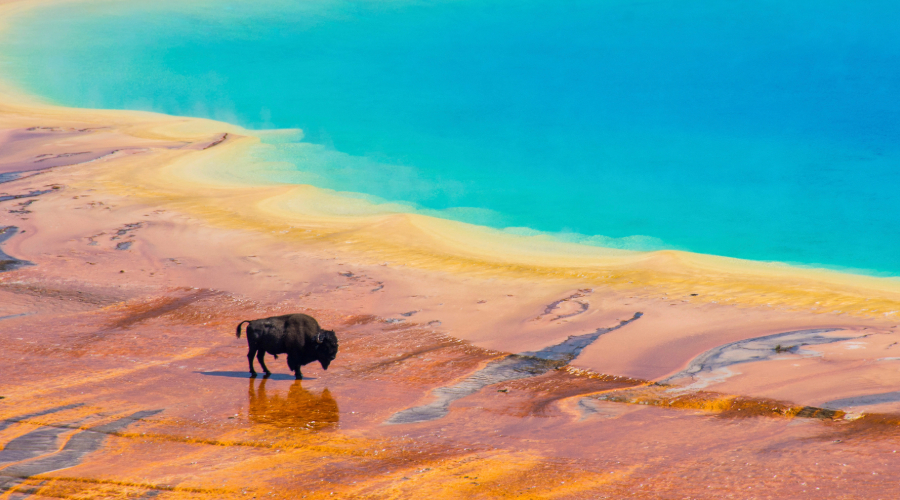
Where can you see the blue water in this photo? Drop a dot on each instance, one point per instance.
(765, 130)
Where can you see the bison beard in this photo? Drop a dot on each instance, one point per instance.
(297, 335)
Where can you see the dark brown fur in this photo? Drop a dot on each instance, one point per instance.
(297, 335)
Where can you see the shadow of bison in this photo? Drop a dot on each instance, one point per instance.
(297, 335)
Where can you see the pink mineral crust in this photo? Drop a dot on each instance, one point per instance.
(121, 373)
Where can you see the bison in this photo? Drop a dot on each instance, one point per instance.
(298, 335)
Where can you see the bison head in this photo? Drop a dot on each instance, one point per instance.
(326, 347)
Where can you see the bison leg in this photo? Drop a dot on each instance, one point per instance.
(294, 366)
(250, 359)
(259, 357)
(291, 362)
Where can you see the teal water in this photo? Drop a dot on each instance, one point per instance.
(763, 130)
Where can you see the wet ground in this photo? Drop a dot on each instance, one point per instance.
(8, 263)
(149, 398)
(118, 381)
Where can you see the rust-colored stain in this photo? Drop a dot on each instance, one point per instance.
(172, 305)
(121, 377)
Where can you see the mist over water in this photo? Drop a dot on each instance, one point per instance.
(756, 130)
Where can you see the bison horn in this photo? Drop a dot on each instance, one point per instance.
(319, 337)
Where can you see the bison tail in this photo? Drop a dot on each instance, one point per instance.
(238, 333)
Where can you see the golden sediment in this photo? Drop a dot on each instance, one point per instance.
(214, 184)
(237, 438)
(181, 180)
(78, 487)
(729, 405)
(154, 339)
(71, 382)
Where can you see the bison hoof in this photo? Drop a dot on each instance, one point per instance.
(252, 374)
(299, 377)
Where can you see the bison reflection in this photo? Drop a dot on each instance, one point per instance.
(298, 408)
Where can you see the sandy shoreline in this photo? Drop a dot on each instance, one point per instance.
(148, 244)
(417, 263)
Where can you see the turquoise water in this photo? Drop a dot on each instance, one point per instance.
(764, 130)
